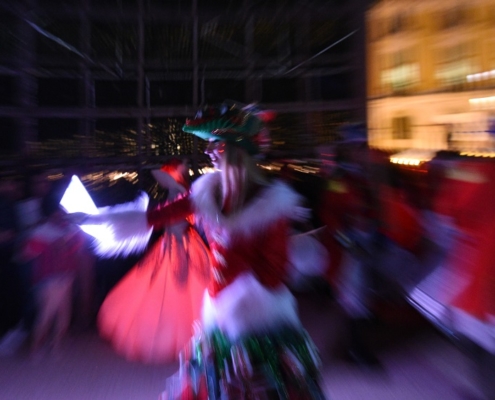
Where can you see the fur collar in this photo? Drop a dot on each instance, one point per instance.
(275, 201)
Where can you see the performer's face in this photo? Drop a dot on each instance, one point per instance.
(215, 150)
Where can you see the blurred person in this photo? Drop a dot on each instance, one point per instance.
(30, 214)
(85, 304)
(10, 281)
(29, 211)
(30, 207)
(330, 208)
(461, 224)
(458, 292)
(52, 247)
(250, 342)
(148, 315)
(400, 234)
(84, 299)
(18, 281)
(349, 208)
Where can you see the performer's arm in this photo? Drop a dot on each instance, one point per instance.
(169, 213)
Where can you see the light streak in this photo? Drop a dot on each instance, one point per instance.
(110, 233)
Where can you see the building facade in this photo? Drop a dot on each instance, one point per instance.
(431, 74)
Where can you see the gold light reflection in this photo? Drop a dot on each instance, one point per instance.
(130, 176)
(481, 76)
(412, 157)
(406, 161)
(485, 154)
(206, 170)
(109, 177)
(482, 102)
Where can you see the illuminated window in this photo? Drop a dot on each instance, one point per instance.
(401, 70)
(401, 128)
(454, 64)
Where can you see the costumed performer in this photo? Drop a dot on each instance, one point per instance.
(148, 315)
(250, 343)
(348, 208)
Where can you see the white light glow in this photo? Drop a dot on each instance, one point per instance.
(412, 157)
(483, 102)
(406, 161)
(77, 199)
(130, 176)
(110, 239)
(480, 76)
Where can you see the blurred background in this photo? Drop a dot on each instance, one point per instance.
(102, 88)
(98, 83)
(106, 85)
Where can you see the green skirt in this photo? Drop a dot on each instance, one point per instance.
(276, 365)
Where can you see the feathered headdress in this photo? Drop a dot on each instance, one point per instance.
(244, 127)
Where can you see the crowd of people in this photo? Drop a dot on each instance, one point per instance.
(418, 237)
(215, 289)
(47, 266)
(373, 234)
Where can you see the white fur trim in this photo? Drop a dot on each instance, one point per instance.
(274, 202)
(122, 229)
(246, 307)
(307, 258)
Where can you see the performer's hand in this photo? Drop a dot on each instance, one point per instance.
(78, 218)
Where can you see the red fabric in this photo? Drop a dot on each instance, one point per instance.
(268, 262)
(399, 220)
(466, 194)
(344, 201)
(53, 258)
(336, 256)
(148, 315)
(170, 213)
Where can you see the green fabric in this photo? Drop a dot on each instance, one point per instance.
(276, 361)
(226, 123)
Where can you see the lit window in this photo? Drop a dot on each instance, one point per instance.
(400, 70)
(454, 64)
(401, 128)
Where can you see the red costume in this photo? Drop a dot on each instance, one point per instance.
(251, 343)
(148, 315)
(344, 204)
(459, 293)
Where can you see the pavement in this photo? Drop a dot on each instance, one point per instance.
(417, 363)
